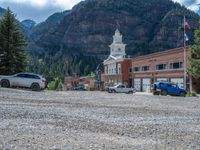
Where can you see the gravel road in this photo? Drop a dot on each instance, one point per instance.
(97, 121)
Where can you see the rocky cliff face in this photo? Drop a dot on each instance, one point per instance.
(41, 29)
(78, 40)
(147, 26)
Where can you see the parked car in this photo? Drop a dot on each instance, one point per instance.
(167, 88)
(79, 87)
(108, 85)
(120, 88)
(26, 80)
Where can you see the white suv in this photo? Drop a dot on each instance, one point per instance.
(120, 88)
(26, 80)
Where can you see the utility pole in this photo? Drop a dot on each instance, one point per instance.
(185, 55)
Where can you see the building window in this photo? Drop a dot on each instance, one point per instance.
(109, 71)
(130, 70)
(161, 67)
(176, 65)
(119, 68)
(136, 69)
(145, 68)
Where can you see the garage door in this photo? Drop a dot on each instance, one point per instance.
(137, 84)
(178, 81)
(146, 84)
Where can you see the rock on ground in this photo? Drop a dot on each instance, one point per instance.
(97, 120)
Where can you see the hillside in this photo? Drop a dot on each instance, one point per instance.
(28, 24)
(67, 42)
(147, 26)
(38, 31)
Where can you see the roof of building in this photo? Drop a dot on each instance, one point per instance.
(161, 53)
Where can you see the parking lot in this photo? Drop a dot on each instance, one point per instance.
(97, 120)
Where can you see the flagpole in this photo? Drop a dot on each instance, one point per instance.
(185, 59)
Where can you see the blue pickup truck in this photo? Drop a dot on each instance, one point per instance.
(167, 88)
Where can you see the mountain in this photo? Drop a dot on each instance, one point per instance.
(48, 24)
(23, 25)
(147, 26)
(28, 24)
(84, 33)
(37, 32)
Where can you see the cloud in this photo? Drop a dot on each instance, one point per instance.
(66, 3)
(186, 2)
(37, 10)
(190, 4)
(43, 3)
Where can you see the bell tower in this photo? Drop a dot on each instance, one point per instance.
(117, 48)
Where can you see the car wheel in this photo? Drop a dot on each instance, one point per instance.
(163, 93)
(130, 92)
(35, 87)
(5, 83)
(182, 94)
(113, 91)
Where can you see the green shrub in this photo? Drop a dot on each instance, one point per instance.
(51, 85)
(191, 94)
(92, 74)
(56, 84)
(60, 86)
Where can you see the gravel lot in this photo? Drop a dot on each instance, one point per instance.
(97, 120)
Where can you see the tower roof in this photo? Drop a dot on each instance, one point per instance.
(117, 31)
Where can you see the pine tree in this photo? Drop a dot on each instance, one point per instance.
(194, 60)
(12, 45)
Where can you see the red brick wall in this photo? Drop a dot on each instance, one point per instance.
(165, 57)
(126, 64)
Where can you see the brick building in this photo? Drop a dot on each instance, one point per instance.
(161, 66)
(140, 72)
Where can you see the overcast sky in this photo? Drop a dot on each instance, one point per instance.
(39, 10)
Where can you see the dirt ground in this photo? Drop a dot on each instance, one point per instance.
(97, 121)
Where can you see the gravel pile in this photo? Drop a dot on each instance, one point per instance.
(97, 120)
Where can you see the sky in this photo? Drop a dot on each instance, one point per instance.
(191, 4)
(39, 10)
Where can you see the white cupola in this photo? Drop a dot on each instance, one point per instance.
(117, 48)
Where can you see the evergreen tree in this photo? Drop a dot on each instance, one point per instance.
(194, 70)
(12, 45)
